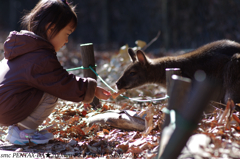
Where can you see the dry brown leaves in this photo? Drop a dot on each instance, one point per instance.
(74, 137)
(222, 126)
(67, 123)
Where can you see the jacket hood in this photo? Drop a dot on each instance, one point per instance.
(19, 43)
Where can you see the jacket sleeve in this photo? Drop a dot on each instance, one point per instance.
(90, 92)
(48, 75)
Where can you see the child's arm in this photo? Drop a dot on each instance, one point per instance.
(50, 77)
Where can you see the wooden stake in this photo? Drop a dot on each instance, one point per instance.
(180, 90)
(178, 95)
(88, 59)
(169, 73)
(188, 116)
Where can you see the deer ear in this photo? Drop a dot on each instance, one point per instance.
(142, 57)
(132, 55)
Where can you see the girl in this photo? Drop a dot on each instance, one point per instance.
(31, 77)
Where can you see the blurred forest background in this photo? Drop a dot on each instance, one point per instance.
(109, 24)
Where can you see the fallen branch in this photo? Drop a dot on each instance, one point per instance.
(152, 41)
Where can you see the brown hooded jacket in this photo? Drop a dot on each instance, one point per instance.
(29, 69)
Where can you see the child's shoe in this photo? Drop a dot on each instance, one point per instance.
(22, 137)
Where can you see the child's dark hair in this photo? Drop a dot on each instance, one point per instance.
(48, 13)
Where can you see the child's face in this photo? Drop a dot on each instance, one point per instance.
(61, 38)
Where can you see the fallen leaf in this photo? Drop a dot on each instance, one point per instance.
(123, 147)
(134, 150)
(140, 43)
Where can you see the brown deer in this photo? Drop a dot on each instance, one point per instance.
(219, 60)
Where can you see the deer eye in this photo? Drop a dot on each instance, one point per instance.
(132, 73)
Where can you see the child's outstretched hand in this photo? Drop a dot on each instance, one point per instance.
(101, 93)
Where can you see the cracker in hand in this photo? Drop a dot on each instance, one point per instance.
(115, 95)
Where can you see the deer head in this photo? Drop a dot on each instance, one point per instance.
(136, 74)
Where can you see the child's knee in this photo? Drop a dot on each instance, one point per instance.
(48, 98)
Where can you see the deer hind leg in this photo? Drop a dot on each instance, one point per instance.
(232, 79)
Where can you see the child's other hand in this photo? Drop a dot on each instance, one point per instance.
(101, 93)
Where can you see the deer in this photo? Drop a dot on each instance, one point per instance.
(219, 60)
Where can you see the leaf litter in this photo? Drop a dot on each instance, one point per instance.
(219, 128)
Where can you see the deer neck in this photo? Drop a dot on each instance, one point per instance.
(157, 73)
